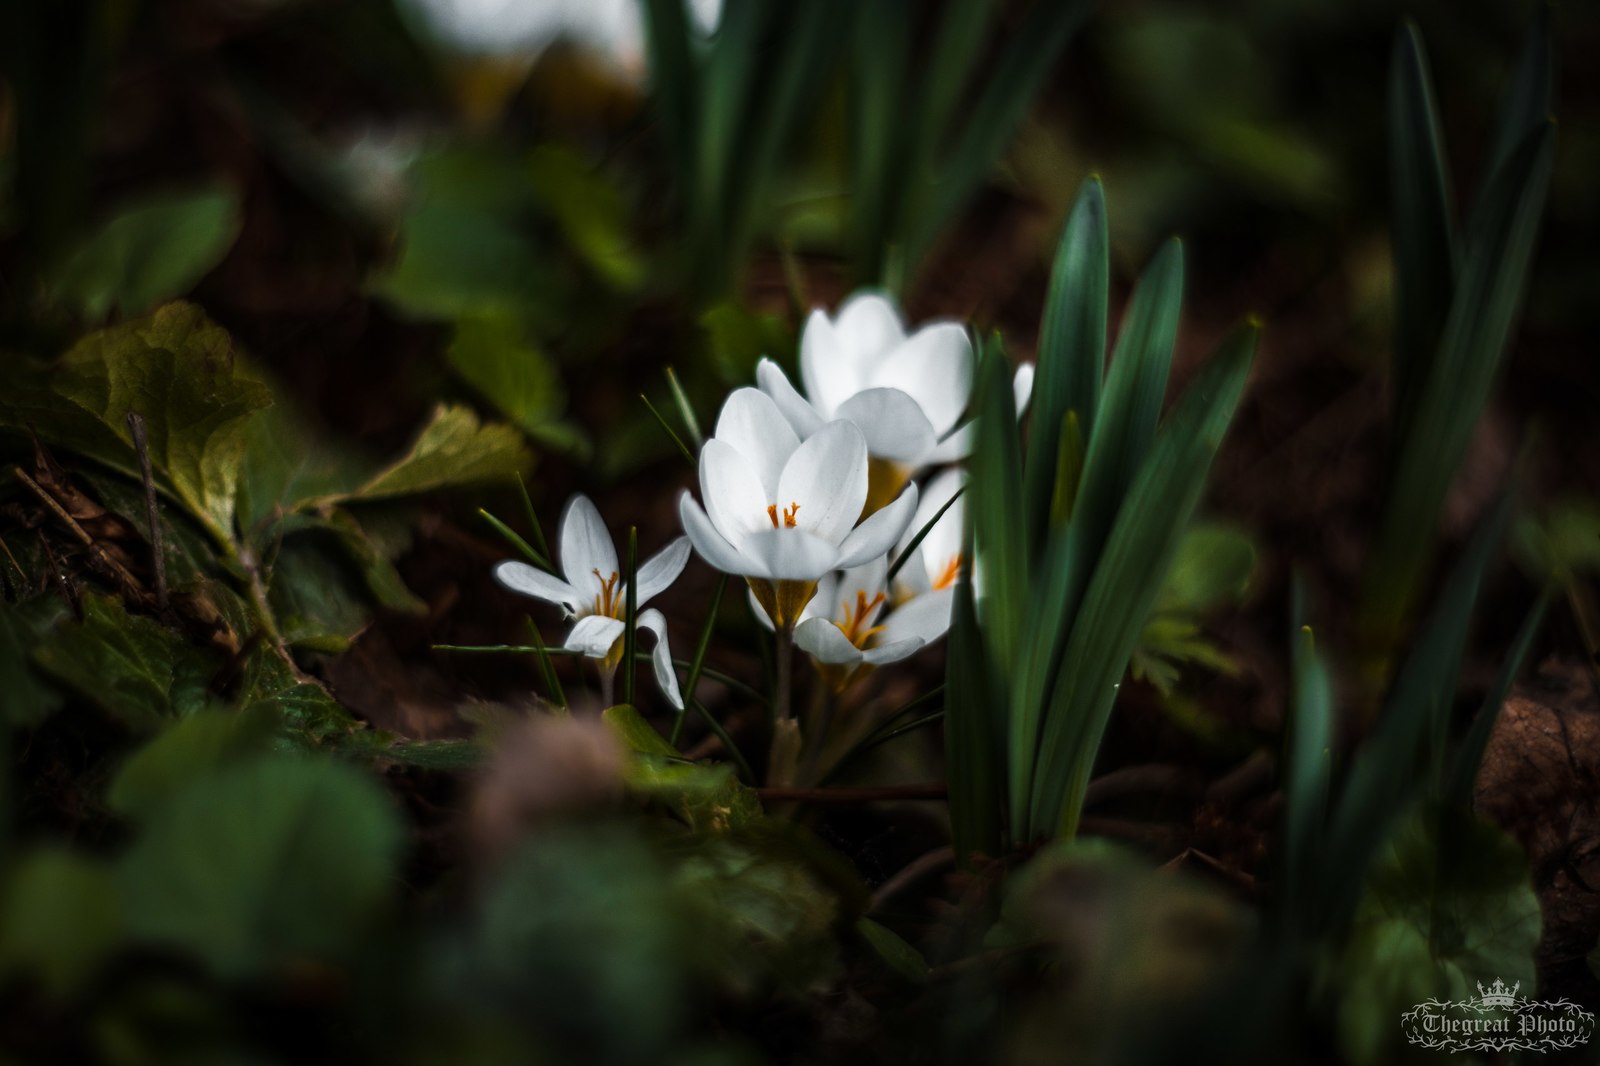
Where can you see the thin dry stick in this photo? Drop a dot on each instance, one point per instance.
(99, 553)
(141, 445)
(911, 873)
(936, 790)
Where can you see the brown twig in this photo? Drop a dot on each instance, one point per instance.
(936, 790)
(96, 550)
(141, 445)
(911, 873)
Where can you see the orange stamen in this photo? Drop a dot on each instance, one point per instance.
(788, 514)
(855, 618)
(609, 601)
(952, 570)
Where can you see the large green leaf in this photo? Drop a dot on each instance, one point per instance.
(998, 508)
(707, 798)
(188, 750)
(496, 357)
(29, 699)
(179, 372)
(155, 248)
(60, 918)
(275, 860)
(453, 449)
(1449, 904)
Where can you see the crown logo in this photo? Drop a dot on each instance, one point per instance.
(1498, 995)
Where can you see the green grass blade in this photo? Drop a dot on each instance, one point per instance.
(972, 755)
(673, 84)
(916, 541)
(1469, 757)
(1130, 405)
(1308, 764)
(682, 447)
(880, 69)
(1407, 748)
(533, 519)
(1422, 223)
(513, 538)
(1127, 577)
(740, 763)
(1494, 272)
(697, 664)
(546, 666)
(1529, 99)
(1001, 106)
(1072, 344)
(957, 44)
(691, 424)
(997, 507)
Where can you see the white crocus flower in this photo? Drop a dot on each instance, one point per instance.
(935, 564)
(848, 626)
(905, 393)
(782, 513)
(592, 591)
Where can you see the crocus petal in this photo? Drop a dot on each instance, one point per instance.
(661, 657)
(735, 500)
(892, 652)
(935, 368)
(892, 423)
(868, 328)
(787, 555)
(585, 548)
(827, 477)
(712, 546)
(878, 533)
(759, 611)
(943, 541)
(1022, 387)
(954, 448)
(757, 430)
(825, 642)
(594, 635)
(662, 569)
(925, 618)
(829, 376)
(531, 581)
(826, 599)
(802, 417)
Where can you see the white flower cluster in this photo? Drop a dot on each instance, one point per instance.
(809, 498)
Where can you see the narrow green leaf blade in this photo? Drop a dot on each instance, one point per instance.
(971, 753)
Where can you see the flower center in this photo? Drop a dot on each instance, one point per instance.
(855, 617)
(948, 576)
(609, 600)
(788, 514)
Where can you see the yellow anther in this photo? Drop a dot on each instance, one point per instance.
(952, 570)
(609, 600)
(788, 514)
(855, 626)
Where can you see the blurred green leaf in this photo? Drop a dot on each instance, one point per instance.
(275, 860)
(454, 449)
(740, 336)
(1449, 903)
(1212, 568)
(895, 952)
(178, 370)
(61, 919)
(156, 247)
(589, 211)
(708, 798)
(135, 669)
(494, 355)
(997, 507)
(195, 747)
(29, 699)
(975, 731)
(1563, 543)
(316, 599)
(1308, 769)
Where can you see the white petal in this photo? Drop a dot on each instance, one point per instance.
(1022, 388)
(892, 652)
(712, 546)
(827, 477)
(757, 430)
(952, 449)
(759, 611)
(659, 571)
(802, 417)
(868, 328)
(735, 501)
(825, 602)
(825, 642)
(935, 368)
(924, 619)
(661, 657)
(944, 539)
(788, 555)
(829, 376)
(879, 532)
(585, 548)
(531, 581)
(892, 423)
(595, 635)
